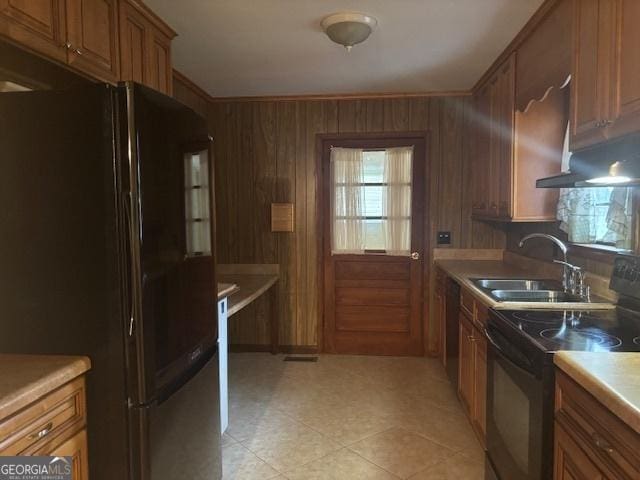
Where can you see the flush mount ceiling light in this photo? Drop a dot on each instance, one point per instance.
(349, 28)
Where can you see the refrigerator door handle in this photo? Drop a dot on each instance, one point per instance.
(128, 222)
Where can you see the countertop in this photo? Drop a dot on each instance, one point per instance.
(226, 290)
(249, 287)
(611, 377)
(26, 378)
(465, 270)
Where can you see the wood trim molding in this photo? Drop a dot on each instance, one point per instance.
(342, 96)
(182, 78)
(153, 18)
(543, 11)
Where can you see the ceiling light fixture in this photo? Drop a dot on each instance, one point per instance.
(348, 28)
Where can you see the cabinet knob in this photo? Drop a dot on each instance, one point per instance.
(601, 443)
(494, 206)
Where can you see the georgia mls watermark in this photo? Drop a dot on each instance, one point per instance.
(35, 468)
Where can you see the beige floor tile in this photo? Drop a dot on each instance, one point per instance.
(401, 452)
(346, 424)
(457, 467)
(238, 463)
(251, 419)
(441, 426)
(341, 465)
(227, 440)
(285, 449)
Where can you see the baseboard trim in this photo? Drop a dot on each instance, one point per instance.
(294, 349)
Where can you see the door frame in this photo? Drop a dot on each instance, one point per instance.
(356, 138)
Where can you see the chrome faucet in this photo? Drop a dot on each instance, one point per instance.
(572, 275)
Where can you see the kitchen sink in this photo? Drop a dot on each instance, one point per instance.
(519, 285)
(551, 296)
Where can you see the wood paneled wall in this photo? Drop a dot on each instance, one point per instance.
(265, 151)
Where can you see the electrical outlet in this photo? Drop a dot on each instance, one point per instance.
(444, 238)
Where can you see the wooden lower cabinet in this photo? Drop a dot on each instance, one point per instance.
(590, 442)
(465, 365)
(479, 412)
(53, 425)
(571, 463)
(472, 374)
(76, 448)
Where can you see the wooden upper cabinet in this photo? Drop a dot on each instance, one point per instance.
(93, 38)
(145, 45)
(626, 97)
(591, 75)
(506, 88)
(134, 44)
(605, 101)
(480, 168)
(38, 25)
(515, 148)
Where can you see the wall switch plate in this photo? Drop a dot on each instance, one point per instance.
(444, 238)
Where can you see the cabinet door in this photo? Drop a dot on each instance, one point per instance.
(495, 147)
(592, 74)
(481, 163)
(134, 44)
(38, 25)
(465, 364)
(571, 463)
(93, 38)
(626, 99)
(159, 66)
(506, 87)
(479, 413)
(76, 448)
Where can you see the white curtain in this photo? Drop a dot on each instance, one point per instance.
(595, 215)
(396, 204)
(383, 195)
(348, 234)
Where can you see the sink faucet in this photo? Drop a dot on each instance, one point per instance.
(572, 275)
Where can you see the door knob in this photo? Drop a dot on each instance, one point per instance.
(415, 255)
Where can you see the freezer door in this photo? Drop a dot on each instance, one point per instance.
(167, 197)
(179, 436)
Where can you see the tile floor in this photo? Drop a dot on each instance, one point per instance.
(346, 418)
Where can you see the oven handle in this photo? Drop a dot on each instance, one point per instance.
(504, 355)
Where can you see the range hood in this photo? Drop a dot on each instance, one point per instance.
(615, 164)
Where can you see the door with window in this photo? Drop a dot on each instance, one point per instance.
(373, 210)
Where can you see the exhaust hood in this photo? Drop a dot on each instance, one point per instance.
(615, 164)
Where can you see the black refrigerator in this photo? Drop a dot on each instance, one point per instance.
(106, 250)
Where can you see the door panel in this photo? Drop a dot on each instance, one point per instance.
(588, 75)
(373, 301)
(93, 38)
(38, 25)
(627, 102)
(134, 46)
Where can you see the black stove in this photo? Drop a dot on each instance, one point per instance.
(521, 373)
(593, 331)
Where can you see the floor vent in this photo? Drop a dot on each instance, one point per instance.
(290, 358)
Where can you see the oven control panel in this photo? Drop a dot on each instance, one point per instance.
(625, 278)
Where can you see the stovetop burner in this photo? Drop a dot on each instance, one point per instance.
(547, 317)
(637, 340)
(580, 339)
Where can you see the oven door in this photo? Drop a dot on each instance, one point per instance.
(519, 411)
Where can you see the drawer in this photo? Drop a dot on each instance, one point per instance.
(468, 303)
(607, 441)
(41, 422)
